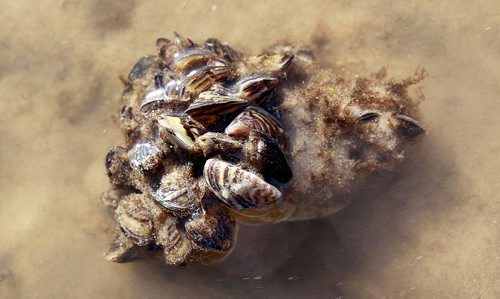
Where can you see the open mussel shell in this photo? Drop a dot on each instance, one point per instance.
(238, 188)
(266, 156)
(222, 50)
(212, 109)
(256, 119)
(213, 229)
(176, 246)
(123, 250)
(172, 191)
(134, 217)
(256, 88)
(179, 130)
(191, 59)
(145, 156)
(409, 126)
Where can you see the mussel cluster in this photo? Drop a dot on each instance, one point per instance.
(214, 138)
(204, 152)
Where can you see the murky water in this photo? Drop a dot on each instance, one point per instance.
(432, 229)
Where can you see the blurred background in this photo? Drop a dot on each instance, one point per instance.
(431, 229)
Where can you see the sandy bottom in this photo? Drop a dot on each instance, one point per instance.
(430, 230)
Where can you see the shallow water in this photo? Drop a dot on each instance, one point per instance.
(432, 229)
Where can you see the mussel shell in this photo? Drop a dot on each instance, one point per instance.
(213, 229)
(117, 166)
(368, 116)
(222, 50)
(180, 130)
(212, 143)
(203, 78)
(190, 59)
(134, 217)
(238, 188)
(214, 111)
(145, 156)
(409, 126)
(183, 42)
(123, 250)
(256, 88)
(176, 246)
(256, 119)
(266, 156)
(172, 193)
(275, 62)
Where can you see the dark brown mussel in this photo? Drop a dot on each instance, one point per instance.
(179, 130)
(222, 50)
(256, 88)
(266, 156)
(238, 188)
(214, 107)
(176, 246)
(368, 116)
(213, 229)
(134, 216)
(256, 119)
(409, 127)
(171, 192)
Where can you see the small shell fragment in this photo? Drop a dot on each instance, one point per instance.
(238, 188)
(172, 193)
(123, 250)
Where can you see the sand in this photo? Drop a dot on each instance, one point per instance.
(431, 229)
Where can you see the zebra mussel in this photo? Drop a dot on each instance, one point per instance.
(206, 147)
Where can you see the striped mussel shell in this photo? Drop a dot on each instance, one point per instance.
(191, 59)
(222, 50)
(203, 78)
(266, 156)
(176, 246)
(256, 119)
(256, 88)
(179, 130)
(133, 215)
(173, 91)
(213, 107)
(212, 229)
(240, 189)
(172, 191)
